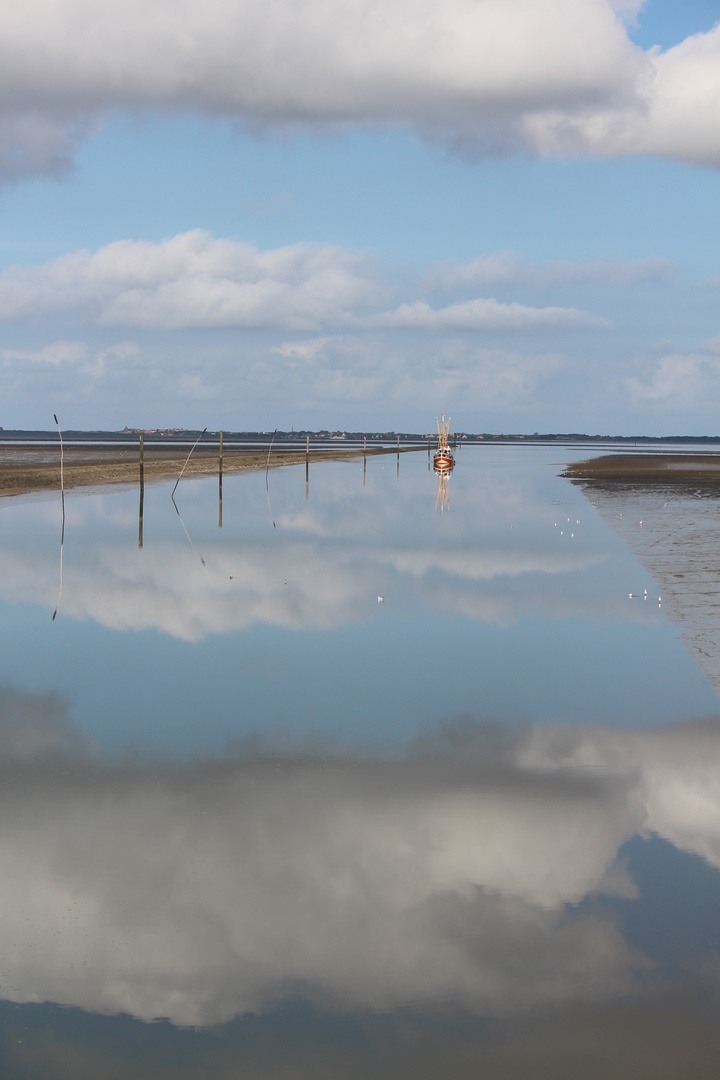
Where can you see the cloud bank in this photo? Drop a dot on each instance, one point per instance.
(194, 280)
(485, 315)
(561, 78)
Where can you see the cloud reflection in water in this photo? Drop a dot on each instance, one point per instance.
(169, 590)
(451, 872)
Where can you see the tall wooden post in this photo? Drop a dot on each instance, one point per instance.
(142, 492)
(364, 457)
(307, 466)
(220, 465)
(398, 457)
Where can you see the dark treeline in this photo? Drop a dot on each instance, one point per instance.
(183, 434)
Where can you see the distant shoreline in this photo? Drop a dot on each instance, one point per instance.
(296, 439)
(25, 470)
(654, 467)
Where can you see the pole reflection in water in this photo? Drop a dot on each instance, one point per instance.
(142, 493)
(220, 481)
(62, 528)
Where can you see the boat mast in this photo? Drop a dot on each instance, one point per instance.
(443, 432)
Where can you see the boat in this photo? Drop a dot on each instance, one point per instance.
(443, 459)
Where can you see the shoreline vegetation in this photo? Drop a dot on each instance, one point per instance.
(653, 467)
(28, 469)
(338, 438)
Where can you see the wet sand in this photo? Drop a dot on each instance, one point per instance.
(655, 467)
(29, 469)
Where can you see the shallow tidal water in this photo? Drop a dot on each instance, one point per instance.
(257, 821)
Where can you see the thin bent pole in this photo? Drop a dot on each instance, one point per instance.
(267, 486)
(186, 462)
(172, 496)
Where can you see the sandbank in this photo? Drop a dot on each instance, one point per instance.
(654, 467)
(28, 469)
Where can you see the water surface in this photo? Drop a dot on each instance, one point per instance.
(471, 827)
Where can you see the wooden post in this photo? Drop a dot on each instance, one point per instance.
(398, 457)
(142, 492)
(220, 465)
(364, 457)
(307, 466)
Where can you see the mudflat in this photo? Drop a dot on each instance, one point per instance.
(653, 466)
(28, 468)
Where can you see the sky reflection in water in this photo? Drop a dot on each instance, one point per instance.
(482, 796)
(489, 612)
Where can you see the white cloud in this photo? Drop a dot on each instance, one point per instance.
(549, 78)
(193, 280)
(510, 269)
(58, 352)
(713, 344)
(482, 314)
(384, 367)
(307, 349)
(680, 380)
(676, 111)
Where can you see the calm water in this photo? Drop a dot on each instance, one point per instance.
(471, 829)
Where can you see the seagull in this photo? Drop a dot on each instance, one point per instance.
(381, 599)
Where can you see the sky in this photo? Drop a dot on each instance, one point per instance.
(351, 214)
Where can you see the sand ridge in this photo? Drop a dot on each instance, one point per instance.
(29, 469)
(651, 466)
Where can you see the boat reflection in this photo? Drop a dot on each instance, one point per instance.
(443, 494)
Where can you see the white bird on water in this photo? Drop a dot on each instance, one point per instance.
(381, 599)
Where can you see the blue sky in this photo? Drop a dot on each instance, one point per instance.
(357, 227)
